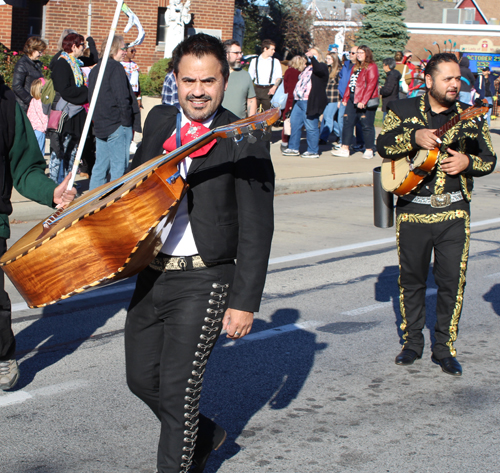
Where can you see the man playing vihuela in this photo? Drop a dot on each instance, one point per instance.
(435, 215)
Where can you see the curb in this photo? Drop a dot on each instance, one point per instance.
(337, 181)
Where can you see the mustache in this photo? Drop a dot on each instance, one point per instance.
(202, 97)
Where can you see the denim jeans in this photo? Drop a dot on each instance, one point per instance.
(60, 164)
(298, 118)
(488, 117)
(112, 155)
(40, 137)
(359, 133)
(329, 124)
(366, 117)
(464, 97)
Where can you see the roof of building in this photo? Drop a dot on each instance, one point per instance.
(328, 10)
(425, 11)
(486, 8)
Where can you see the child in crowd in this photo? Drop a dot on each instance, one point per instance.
(35, 113)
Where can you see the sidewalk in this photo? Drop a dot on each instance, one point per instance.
(293, 174)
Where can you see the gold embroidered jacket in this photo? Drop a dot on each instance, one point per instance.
(470, 137)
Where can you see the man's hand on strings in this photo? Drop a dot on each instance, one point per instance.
(455, 163)
(426, 139)
(63, 196)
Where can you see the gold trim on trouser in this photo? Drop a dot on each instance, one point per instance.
(437, 218)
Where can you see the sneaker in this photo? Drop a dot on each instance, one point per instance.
(368, 154)
(342, 153)
(337, 145)
(283, 147)
(290, 152)
(309, 155)
(323, 142)
(9, 374)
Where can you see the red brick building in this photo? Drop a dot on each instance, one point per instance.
(20, 19)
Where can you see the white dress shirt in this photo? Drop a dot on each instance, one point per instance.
(177, 237)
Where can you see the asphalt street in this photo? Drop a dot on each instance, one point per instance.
(314, 388)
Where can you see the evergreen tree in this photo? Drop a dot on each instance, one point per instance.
(384, 30)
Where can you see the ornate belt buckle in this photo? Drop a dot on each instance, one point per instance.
(182, 263)
(439, 201)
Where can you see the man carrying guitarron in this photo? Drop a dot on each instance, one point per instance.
(210, 272)
(435, 215)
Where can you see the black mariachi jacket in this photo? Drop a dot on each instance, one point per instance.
(470, 137)
(230, 201)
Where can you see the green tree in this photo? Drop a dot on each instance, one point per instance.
(253, 24)
(289, 25)
(384, 30)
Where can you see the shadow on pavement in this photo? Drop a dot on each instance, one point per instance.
(245, 377)
(60, 331)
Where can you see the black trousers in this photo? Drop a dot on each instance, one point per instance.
(366, 117)
(7, 340)
(261, 92)
(173, 323)
(447, 232)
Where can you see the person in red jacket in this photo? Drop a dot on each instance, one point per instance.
(361, 102)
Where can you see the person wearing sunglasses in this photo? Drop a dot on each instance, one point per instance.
(132, 71)
(116, 115)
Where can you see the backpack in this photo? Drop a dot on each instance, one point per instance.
(48, 94)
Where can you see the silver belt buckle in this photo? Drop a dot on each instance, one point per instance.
(182, 263)
(438, 201)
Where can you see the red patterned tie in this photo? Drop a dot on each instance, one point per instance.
(189, 132)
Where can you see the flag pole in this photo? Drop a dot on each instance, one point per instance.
(104, 61)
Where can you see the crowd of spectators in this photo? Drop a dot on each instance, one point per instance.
(333, 97)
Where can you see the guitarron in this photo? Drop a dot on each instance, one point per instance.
(111, 233)
(401, 176)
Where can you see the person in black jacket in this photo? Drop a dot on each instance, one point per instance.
(311, 100)
(467, 81)
(72, 95)
(434, 218)
(116, 116)
(21, 166)
(210, 272)
(390, 90)
(27, 69)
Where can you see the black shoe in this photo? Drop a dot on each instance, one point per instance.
(407, 357)
(209, 439)
(449, 365)
(323, 142)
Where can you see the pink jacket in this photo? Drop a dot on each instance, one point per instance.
(36, 116)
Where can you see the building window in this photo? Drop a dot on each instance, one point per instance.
(161, 31)
(35, 17)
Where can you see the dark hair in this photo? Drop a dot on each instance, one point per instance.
(230, 42)
(398, 56)
(389, 62)
(33, 44)
(437, 59)
(368, 58)
(70, 40)
(267, 43)
(200, 45)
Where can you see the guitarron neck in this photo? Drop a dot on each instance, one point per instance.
(447, 126)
